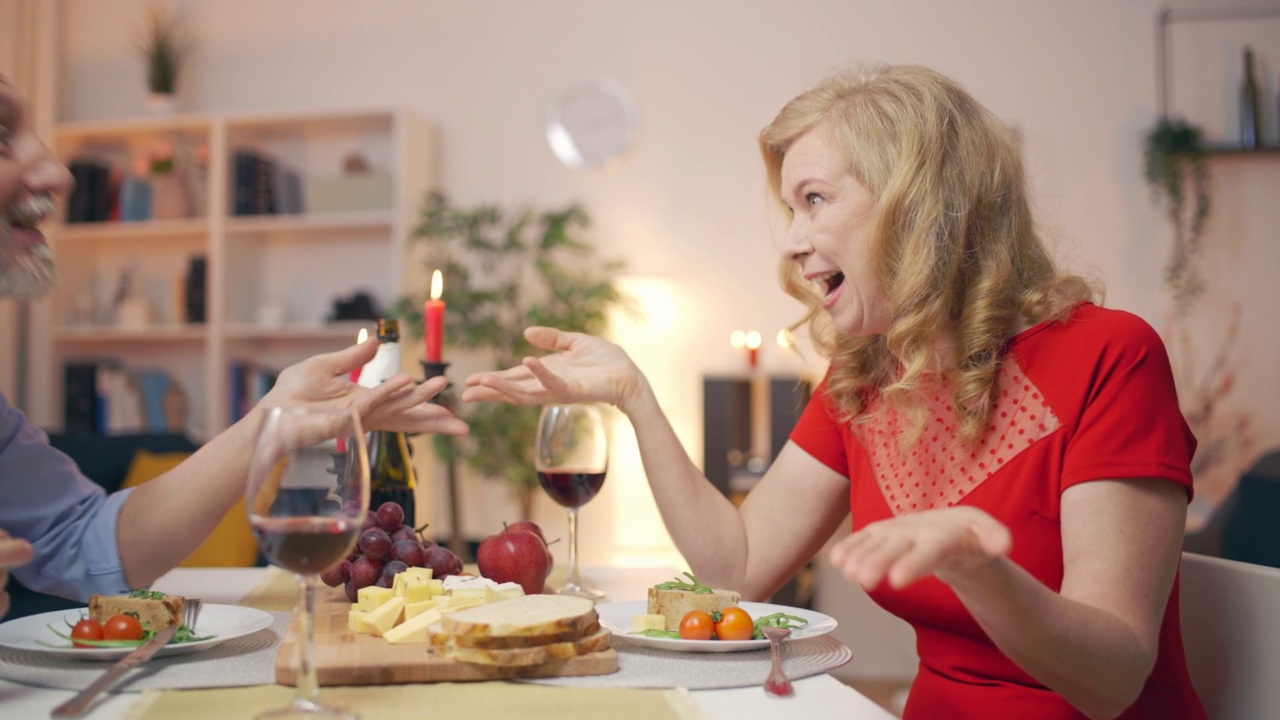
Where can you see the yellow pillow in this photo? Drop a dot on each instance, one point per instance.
(232, 543)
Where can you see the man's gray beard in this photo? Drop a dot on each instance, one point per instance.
(25, 273)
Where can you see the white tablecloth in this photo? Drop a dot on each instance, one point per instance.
(820, 696)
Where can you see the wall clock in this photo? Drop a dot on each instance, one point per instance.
(594, 124)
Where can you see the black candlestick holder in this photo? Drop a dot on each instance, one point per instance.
(439, 368)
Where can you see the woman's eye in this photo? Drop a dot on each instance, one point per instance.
(6, 139)
(812, 199)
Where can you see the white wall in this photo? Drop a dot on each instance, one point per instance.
(1076, 78)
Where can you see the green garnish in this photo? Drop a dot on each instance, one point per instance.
(777, 620)
(654, 633)
(678, 584)
(145, 594)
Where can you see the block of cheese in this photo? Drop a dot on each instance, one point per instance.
(675, 604)
(373, 597)
(412, 630)
(524, 616)
(648, 621)
(386, 616)
(353, 619)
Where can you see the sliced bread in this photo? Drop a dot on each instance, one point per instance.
(537, 655)
(675, 604)
(524, 617)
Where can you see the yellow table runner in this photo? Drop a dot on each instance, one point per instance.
(456, 701)
(278, 592)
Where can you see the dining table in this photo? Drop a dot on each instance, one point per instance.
(817, 696)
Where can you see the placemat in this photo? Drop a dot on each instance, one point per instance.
(645, 667)
(249, 660)
(456, 701)
(277, 592)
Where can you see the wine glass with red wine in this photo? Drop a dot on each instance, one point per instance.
(572, 451)
(307, 497)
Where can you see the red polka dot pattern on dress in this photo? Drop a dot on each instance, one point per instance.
(939, 471)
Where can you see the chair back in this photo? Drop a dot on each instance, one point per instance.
(1231, 630)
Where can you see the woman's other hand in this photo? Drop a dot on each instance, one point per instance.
(947, 543)
(13, 553)
(397, 403)
(580, 368)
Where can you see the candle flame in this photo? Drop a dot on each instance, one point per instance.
(784, 338)
(753, 340)
(362, 336)
(437, 285)
(738, 338)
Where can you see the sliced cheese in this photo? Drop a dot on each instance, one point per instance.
(413, 630)
(372, 597)
(378, 622)
(412, 610)
(353, 619)
(648, 621)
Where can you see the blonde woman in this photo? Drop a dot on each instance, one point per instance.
(1012, 454)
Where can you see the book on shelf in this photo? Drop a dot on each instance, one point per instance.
(103, 396)
(90, 201)
(249, 383)
(263, 186)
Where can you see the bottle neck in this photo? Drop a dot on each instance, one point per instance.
(385, 363)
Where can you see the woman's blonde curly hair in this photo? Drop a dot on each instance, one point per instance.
(956, 251)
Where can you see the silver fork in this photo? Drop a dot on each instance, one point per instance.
(777, 682)
(191, 612)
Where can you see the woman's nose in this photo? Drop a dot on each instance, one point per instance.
(796, 245)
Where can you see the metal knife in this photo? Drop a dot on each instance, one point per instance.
(79, 705)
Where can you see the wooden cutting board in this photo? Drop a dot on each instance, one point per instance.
(345, 658)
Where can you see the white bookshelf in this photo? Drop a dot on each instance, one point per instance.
(300, 262)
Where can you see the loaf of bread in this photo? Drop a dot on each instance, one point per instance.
(536, 655)
(525, 616)
(521, 632)
(154, 612)
(675, 604)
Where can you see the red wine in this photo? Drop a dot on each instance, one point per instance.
(305, 545)
(571, 488)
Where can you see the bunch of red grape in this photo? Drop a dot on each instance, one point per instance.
(387, 546)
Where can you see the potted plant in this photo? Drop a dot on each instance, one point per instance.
(504, 271)
(1176, 167)
(163, 53)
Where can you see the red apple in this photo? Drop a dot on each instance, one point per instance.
(531, 526)
(516, 556)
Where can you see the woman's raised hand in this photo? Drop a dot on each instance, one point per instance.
(580, 368)
(947, 543)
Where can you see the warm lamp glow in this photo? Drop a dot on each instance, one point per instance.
(437, 285)
(753, 340)
(784, 338)
(738, 339)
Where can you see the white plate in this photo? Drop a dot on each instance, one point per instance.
(617, 617)
(220, 622)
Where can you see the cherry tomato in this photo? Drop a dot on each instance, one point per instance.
(696, 625)
(86, 630)
(735, 624)
(122, 627)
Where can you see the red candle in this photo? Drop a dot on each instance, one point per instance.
(753, 349)
(433, 315)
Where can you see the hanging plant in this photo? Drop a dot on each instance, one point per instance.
(1176, 167)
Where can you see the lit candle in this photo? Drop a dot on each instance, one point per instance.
(433, 315)
(360, 338)
(753, 349)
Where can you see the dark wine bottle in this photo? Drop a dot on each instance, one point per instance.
(391, 473)
(1250, 139)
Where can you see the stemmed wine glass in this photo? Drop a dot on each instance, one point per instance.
(572, 455)
(307, 497)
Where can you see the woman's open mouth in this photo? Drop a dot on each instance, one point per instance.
(829, 284)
